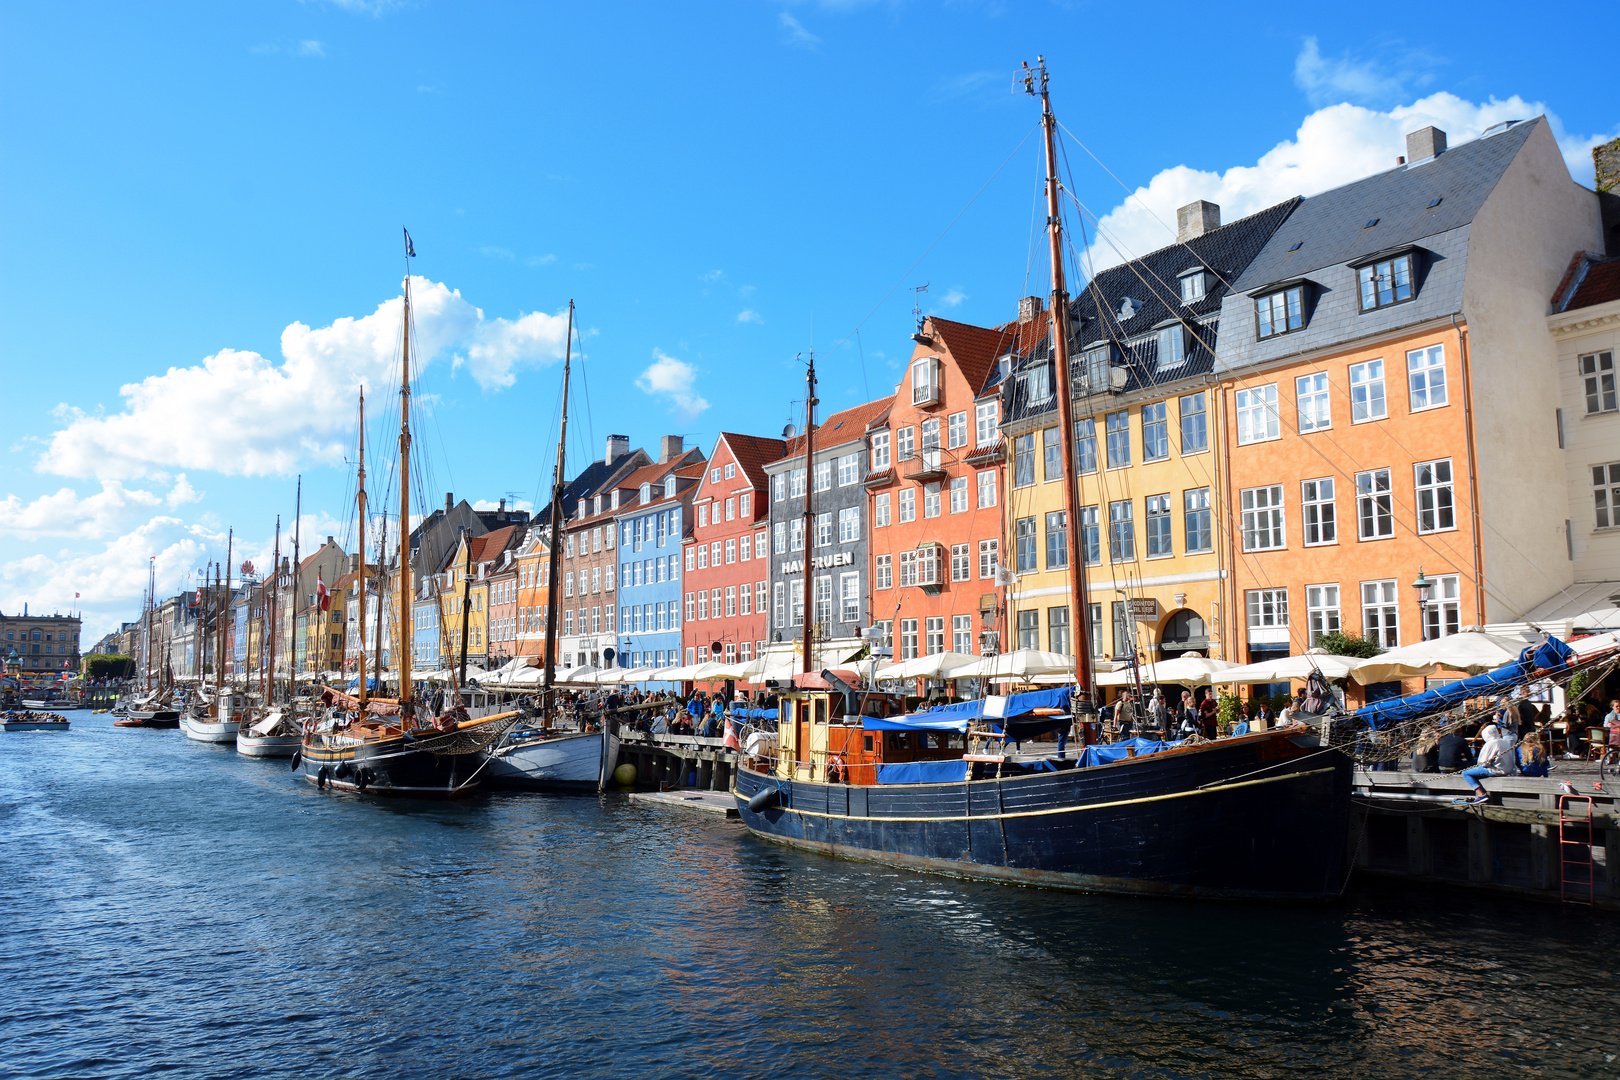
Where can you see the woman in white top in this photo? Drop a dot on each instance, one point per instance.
(1495, 759)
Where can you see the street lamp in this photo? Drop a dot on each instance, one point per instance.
(1423, 586)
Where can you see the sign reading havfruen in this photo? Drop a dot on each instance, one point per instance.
(820, 562)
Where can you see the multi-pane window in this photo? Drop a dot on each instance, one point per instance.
(1426, 377)
(731, 601)
(824, 475)
(880, 510)
(731, 554)
(1099, 363)
(935, 629)
(1375, 516)
(849, 597)
(1085, 446)
(1090, 536)
(1267, 607)
(956, 430)
(961, 562)
(986, 416)
(930, 434)
(1443, 616)
(745, 546)
(1057, 630)
(1118, 426)
(1155, 432)
(795, 607)
(745, 599)
(1321, 612)
(931, 500)
(1192, 286)
(1386, 282)
(1051, 454)
(796, 483)
(908, 639)
(1367, 392)
(822, 599)
(1257, 414)
(1311, 394)
(1380, 612)
(1597, 379)
(880, 451)
(962, 634)
(908, 569)
(1279, 312)
(759, 597)
(989, 558)
(885, 571)
(778, 603)
(1436, 503)
(959, 494)
(1158, 526)
(795, 537)
(849, 525)
(1172, 346)
(1194, 424)
(987, 488)
(702, 610)
(1057, 539)
(1024, 460)
(779, 487)
(1024, 545)
(1196, 512)
(1029, 629)
(1262, 517)
(905, 445)
(1321, 517)
(1606, 494)
(849, 469)
(908, 505)
(780, 532)
(1121, 531)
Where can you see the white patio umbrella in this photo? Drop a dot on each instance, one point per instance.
(1471, 650)
(938, 665)
(1181, 671)
(780, 665)
(1290, 668)
(1020, 663)
(576, 675)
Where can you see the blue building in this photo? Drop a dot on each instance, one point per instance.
(651, 525)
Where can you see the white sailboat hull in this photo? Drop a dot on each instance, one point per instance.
(572, 761)
(209, 731)
(267, 746)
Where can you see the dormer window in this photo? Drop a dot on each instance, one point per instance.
(1128, 308)
(1172, 346)
(1099, 359)
(1385, 282)
(613, 499)
(646, 493)
(1193, 285)
(925, 381)
(1036, 382)
(597, 502)
(1280, 312)
(669, 487)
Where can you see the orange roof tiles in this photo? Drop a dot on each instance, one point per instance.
(976, 348)
(840, 427)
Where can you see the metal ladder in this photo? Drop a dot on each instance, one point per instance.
(1575, 851)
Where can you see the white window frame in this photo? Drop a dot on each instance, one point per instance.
(1368, 400)
(908, 505)
(1375, 506)
(986, 423)
(1313, 402)
(1322, 615)
(1606, 494)
(956, 430)
(849, 469)
(885, 572)
(1596, 371)
(959, 494)
(1319, 512)
(1381, 612)
(849, 524)
(1257, 414)
(1443, 615)
(1263, 522)
(880, 510)
(880, 450)
(1434, 497)
(849, 596)
(961, 563)
(1426, 378)
(987, 488)
(989, 558)
(1266, 608)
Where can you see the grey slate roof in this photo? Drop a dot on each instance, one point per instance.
(1154, 282)
(1331, 227)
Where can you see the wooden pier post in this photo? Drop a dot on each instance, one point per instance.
(1418, 861)
(1481, 859)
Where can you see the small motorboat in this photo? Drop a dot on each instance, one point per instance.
(33, 721)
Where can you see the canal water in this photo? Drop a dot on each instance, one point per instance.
(167, 906)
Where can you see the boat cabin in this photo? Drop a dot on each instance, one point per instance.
(820, 732)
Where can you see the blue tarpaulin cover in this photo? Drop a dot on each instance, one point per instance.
(1550, 655)
(754, 714)
(1107, 755)
(956, 717)
(923, 772)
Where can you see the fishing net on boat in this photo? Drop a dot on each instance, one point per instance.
(456, 733)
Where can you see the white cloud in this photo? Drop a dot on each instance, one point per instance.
(94, 517)
(714, 275)
(794, 32)
(1326, 80)
(311, 48)
(540, 260)
(1333, 146)
(675, 380)
(749, 316)
(953, 298)
(490, 252)
(241, 414)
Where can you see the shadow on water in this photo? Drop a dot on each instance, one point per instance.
(174, 908)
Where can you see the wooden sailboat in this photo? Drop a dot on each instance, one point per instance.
(218, 717)
(153, 708)
(1255, 817)
(549, 759)
(380, 747)
(274, 732)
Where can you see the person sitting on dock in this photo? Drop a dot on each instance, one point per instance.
(1455, 754)
(1495, 759)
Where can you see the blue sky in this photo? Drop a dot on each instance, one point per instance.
(719, 187)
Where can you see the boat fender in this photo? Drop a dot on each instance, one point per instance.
(363, 780)
(343, 770)
(321, 777)
(764, 799)
(298, 756)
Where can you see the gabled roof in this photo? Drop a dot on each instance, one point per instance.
(840, 427)
(1331, 228)
(591, 479)
(1590, 280)
(752, 452)
(976, 348)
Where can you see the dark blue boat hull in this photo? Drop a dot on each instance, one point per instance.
(390, 767)
(1258, 818)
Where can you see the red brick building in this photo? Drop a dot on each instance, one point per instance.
(726, 557)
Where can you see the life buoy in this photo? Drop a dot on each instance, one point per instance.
(835, 769)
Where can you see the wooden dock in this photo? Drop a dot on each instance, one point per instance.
(708, 802)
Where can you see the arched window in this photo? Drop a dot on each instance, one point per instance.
(1185, 631)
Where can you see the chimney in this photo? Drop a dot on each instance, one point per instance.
(1425, 143)
(447, 504)
(1606, 165)
(1196, 219)
(329, 540)
(1028, 308)
(354, 563)
(617, 447)
(669, 448)
(503, 505)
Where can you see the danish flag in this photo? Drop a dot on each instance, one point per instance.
(321, 594)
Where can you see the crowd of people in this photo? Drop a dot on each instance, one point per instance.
(1517, 736)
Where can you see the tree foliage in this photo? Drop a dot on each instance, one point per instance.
(1340, 644)
(107, 666)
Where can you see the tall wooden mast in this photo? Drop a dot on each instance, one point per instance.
(809, 511)
(1080, 606)
(404, 619)
(554, 555)
(268, 627)
(224, 609)
(360, 512)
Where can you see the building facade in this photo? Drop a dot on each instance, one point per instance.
(655, 518)
(40, 644)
